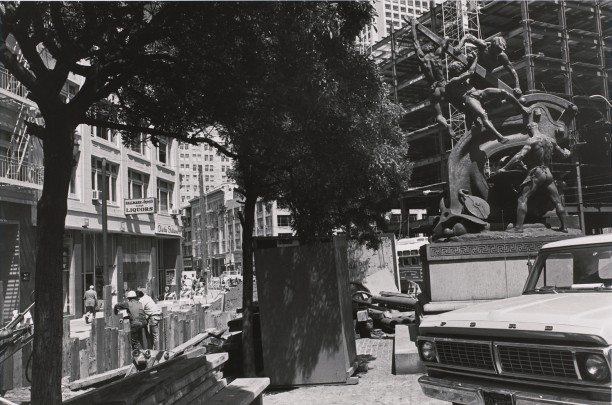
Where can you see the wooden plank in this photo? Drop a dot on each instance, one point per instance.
(163, 330)
(200, 379)
(107, 350)
(66, 347)
(26, 351)
(125, 346)
(83, 364)
(114, 348)
(242, 391)
(201, 395)
(197, 318)
(172, 324)
(127, 390)
(75, 361)
(17, 369)
(188, 344)
(98, 378)
(108, 298)
(7, 369)
(178, 331)
(193, 330)
(179, 385)
(98, 330)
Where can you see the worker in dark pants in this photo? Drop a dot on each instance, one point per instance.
(137, 317)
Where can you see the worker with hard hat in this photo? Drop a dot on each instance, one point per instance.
(137, 317)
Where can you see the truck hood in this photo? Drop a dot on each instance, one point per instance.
(573, 313)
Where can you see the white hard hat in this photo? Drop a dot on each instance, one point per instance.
(131, 294)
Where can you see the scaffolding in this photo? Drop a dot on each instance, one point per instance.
(459, 18)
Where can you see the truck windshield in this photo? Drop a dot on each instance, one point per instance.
(578, 268)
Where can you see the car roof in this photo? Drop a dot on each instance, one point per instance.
(583, 240)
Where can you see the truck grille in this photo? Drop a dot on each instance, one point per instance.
(465, 354)
(537, 361)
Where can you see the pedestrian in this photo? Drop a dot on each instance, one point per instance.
(169, 295)
(137, 317)
(154, 315)
(91, 302)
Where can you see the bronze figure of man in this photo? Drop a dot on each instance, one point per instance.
(432, 66)
(536, 154)
(459, 87)
(492, 54)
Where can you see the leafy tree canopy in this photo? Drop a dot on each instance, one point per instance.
(305, 116)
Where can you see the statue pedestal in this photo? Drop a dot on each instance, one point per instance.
(481, 267)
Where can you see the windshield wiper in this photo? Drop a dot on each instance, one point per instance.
(545, 289)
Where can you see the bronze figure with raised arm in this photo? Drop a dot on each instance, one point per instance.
(536, 154)
(459, 87)
(432, 66)
(492, 54)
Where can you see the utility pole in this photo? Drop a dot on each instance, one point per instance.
(105, 275)
(203, 239)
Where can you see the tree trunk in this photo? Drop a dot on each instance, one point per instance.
(248, 345)
(48, 311)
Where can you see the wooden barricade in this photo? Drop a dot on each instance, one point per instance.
(108, 348)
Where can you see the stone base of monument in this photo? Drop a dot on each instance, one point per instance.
(481, 267)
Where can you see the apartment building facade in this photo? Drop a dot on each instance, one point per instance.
(390, 14)
(143, 244)
(213, 234)
(144, 233)
(195, 159)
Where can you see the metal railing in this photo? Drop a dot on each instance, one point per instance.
(10, 83)
(26, 172)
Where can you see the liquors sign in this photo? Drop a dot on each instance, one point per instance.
(139, 206)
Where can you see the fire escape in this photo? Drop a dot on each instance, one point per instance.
(16, 168)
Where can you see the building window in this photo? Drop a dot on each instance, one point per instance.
(137, 184)
(106, 134)
(112, 171)
(283, 220)
(163, 151)
(137, 144)
(164, 195)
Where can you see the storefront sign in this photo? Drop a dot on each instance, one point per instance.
(139, 206)
(167, 229)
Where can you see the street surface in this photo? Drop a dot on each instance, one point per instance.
(376, 383)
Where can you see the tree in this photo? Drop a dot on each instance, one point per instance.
(303, 114)
(108, 44)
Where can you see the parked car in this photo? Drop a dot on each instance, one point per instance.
(551, 345)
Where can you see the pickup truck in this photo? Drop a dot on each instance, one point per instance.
(550, 345)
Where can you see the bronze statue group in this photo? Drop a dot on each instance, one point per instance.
(457, 86)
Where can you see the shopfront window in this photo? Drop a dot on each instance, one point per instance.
(136, 262)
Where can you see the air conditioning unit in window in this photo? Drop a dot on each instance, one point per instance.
(96, 195)
(175, 212)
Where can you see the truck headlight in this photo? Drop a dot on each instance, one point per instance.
(428, 351)
(596, 367)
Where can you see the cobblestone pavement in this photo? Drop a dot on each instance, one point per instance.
(376, 383)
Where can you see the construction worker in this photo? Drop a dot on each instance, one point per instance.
(154, 315)
(137, 317)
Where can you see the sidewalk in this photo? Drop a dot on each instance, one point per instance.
(376, 383)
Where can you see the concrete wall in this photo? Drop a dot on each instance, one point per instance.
(479, 269)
